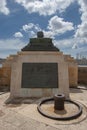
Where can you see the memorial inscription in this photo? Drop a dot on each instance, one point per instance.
(39, 75)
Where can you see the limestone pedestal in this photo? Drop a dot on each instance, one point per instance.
(17, 90)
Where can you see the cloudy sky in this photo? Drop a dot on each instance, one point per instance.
(63, 20)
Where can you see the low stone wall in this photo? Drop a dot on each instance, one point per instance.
(5, 76)
(72, 70)
(82, 75)
(73, 75)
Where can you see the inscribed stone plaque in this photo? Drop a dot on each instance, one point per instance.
(39, 75)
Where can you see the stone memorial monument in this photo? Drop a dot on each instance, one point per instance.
(40, 69)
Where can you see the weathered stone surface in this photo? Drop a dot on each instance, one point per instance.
(82, 75)
(5, 76)
(73, 70)
(26, 117)
(39, 57)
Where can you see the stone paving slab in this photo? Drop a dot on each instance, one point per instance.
(25, 116)
(31, 111)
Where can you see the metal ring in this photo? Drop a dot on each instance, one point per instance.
(59, 118)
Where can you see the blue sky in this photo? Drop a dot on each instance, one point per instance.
(64, 21)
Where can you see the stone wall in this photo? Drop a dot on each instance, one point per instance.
(72, 70)
(5, 76)
(6, 70)
(73, 76)
(82, 75)
(5, 73)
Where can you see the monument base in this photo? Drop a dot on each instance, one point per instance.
(21, 89)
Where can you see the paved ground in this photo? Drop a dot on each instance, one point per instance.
(24, 115)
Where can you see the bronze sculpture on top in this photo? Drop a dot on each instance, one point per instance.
(40, 44)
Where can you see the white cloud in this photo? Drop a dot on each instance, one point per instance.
(45, 7)
(64, 44)
(75, 46)
(3, 7)
(49, 34)
(31, 29)
(56, 26)
(59, 26)
(18, 35)
(27, 27)
(82, 28)
(30, 26)
(10, 46)
(71, 46)
(72, 43)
